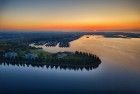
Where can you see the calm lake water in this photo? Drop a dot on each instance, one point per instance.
(119, 71)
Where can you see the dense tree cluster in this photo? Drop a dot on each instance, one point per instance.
(71, 60)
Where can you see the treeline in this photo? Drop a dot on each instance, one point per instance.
(77, 59)
(16, 45)
(88, 57)
(64, 67)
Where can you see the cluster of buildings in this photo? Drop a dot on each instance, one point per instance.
(33, 56)
(26, 56)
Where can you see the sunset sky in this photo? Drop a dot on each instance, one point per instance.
(70, 14)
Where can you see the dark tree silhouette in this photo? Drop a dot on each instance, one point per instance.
(76, 61)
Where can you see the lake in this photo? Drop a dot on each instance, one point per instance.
(118, 73)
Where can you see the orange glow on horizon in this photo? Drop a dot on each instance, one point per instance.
(67, 14)
(72, 26)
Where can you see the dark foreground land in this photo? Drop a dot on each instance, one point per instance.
(64, 60)
(15, 49)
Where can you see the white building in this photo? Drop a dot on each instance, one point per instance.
(10, 54)
(30, 56)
